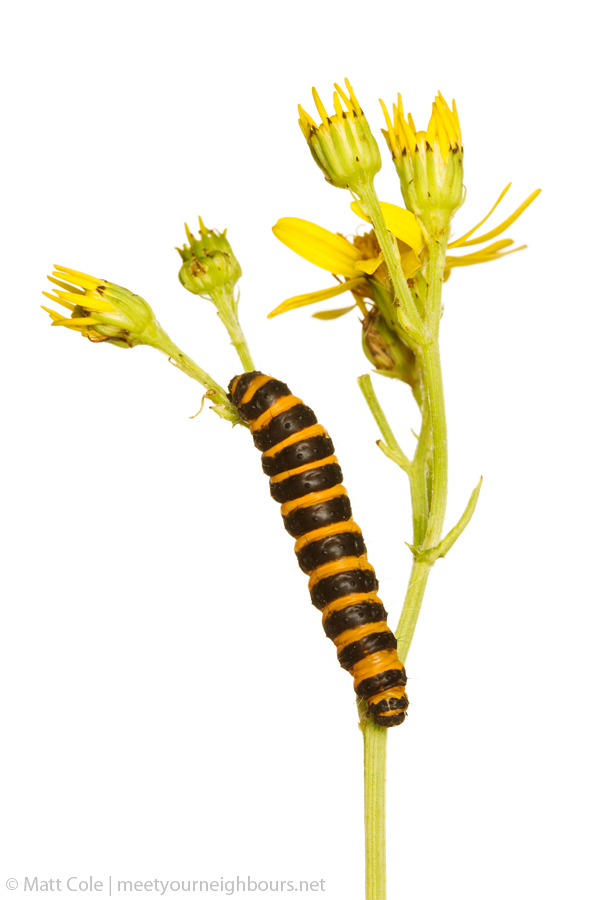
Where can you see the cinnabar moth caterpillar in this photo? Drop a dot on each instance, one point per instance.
(298, 455)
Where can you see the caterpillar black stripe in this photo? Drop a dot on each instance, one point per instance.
(305, 477)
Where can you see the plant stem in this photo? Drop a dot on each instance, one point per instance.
(227, 310)
(160, 340)
(407, 310)
(418, 477)
(428, 521)
(432, 372)
(433, 429)
(366, 386)
(412, 606)
(415, 469)
(375, 750)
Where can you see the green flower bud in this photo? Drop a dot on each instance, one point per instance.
(100, 310)
(209, 265)
(103, 311)
(384, 350)
(429, 163)
(342, 146)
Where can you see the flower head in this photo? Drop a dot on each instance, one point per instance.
(429, 163)
(343, 145)
(209, 264)
(360, 263)
(99, 310)
(359, 260)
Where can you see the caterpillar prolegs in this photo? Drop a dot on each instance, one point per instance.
(305, 477)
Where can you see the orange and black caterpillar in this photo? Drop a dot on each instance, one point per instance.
(297, 454)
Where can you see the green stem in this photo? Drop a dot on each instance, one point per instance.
(412, 606)
(375, 749)
(418, 478)
(428, 517)
(158, 338)
(415, 469)
(227, 307)
(435, 278)
(366, 386)
(432, 370)
(436, 432)
(407, 310)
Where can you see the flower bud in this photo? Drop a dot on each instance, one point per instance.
(343, 145)
(429, 163)
(386, 351)
(209, 264)
(100, 310)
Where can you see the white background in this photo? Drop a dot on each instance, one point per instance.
(171, 708)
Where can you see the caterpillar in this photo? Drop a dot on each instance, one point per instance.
(305, 477)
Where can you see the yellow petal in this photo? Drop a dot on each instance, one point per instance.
(59, 320)
(88, 300)
(346, 100)
(64, 285)
(489, 250)
(62, 302)
(321, 109)
(306, 122)
(401, 222)
(82, 320)
(410, 263)
(95, 303)
(390, 130)
(369, 265)
(79, 278)
(338, 106)
(447, 118)
(308, 117)
(460, 242)
(473, 259)
(52, 313)
(353, 97)
(315, 297)
(325, 249)
(329, 314)
(506, 224)
(442, 134)
(493, 248)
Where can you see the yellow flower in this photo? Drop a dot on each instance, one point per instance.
(360, 260)
(342, 146)
(403, 224)
(405, 227)
(335, 254)
(443, 132)
(429, 163)
(323, 248)
(99, 310)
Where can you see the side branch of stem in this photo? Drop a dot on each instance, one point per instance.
(366, 385)
(227, 310)
(161, 341)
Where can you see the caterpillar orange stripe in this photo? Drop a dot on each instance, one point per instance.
(305, 477)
